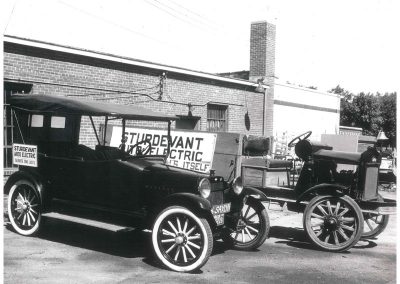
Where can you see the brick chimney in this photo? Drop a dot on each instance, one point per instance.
(262, 65)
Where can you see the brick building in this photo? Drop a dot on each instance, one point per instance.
(241, 102)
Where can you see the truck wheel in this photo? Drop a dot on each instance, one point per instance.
(181, 240)
(333, 223)
(374, 224)
(252, 228)
(24, 208)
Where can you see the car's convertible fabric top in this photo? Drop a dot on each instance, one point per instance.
(62, 105)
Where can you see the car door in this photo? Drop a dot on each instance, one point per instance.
(123, 186)
(66, 177)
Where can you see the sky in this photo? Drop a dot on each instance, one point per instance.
(318, 43)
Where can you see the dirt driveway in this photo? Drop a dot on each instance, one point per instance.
(70, 252)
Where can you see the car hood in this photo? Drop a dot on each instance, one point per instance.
(157, 174)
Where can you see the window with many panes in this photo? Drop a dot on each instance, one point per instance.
(10, 133)
(217, 118)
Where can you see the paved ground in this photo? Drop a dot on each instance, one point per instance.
(70, 252)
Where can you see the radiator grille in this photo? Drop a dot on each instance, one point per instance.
(216, 197)
(371, 182)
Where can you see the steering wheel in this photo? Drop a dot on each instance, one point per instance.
(140, 151)
(300, 137)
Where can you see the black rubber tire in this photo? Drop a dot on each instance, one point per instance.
(24, 207)
(374, 225)
(256, 221)
(322, 213)
(188, 245)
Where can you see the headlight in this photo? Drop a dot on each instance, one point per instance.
(237, 185)
(205, 188)
(374, 159)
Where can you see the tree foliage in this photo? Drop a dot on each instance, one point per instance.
(388, 114)
(371, 112)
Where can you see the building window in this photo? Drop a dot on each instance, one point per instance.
(217, 118)
(9, 132)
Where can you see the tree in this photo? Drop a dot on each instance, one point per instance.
(371, 112)
(388, 114)
(367, 113)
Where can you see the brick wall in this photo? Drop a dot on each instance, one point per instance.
(60, 73)
(262, 64)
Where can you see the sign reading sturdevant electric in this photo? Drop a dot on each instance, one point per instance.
(189, 150)
(25, 155)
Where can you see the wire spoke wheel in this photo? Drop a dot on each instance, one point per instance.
(252, 227)
(24, 208)
(374, 224)
(333, 223)
(181, 240)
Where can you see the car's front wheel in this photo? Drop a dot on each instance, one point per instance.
(24, 208)
(181, 240)
(252, 227)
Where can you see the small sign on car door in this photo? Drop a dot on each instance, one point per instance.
(25, 155)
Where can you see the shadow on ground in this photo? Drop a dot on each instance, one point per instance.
(296, 237)
(127, 243)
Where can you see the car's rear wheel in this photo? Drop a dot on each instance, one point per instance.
(333, 223)
(252, 228)
(24, 208)
(374, 224)
(181, 240)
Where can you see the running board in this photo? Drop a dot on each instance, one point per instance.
(96, 214)
(88, 222)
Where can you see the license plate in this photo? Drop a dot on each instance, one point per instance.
(220, 209)
(219, 219)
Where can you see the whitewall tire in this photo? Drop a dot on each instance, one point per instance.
(182, 241)
(24, 208)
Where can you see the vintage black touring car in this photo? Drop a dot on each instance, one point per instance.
(185, 210)
(336, 190)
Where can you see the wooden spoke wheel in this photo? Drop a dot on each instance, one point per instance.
(181, 240)
(24, 208)
(252, 228)
(374, 224)
(333, 223)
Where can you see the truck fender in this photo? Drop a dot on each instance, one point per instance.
(324, 188)
(255, 193)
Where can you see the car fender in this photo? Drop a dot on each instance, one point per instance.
(189, 199)
(254, 193)
(324, 188)
(193, 202)
(32, 177)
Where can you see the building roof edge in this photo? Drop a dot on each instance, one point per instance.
(122, 59)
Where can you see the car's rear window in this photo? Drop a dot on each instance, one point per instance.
(37, 120)
(57, 122)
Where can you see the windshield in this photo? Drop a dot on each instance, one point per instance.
(138, 141)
